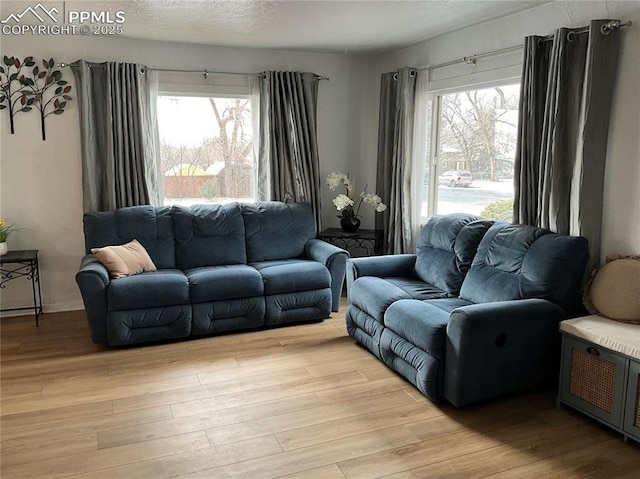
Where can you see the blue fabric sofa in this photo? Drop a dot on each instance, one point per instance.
(474, 313)
(220, 268)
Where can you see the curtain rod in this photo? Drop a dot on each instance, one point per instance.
(471, 60)
(204, 72)
(605, 29)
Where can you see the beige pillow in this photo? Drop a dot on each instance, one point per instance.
(615, 290)
(125, 260)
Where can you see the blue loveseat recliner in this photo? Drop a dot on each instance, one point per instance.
(474, 313)
(220, 268)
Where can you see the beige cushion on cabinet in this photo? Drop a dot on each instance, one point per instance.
(615, 291)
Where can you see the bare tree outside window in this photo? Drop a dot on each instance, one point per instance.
(478, 132)
(206, 149)
(233, 143)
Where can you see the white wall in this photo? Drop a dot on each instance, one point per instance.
(41, 186)
(621, 224)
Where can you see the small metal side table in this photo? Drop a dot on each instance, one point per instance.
(362, 241)
(21, 264)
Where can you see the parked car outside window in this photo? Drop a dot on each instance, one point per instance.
(455, 178)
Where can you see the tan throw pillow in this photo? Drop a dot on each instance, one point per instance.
(615, 290)
(125, 260)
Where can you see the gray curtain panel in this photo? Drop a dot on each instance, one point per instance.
(395, 144)
(288, 152)
(565, 103)
(119, 135)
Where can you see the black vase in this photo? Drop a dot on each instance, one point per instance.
(350, 224)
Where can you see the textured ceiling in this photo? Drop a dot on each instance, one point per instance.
(330, 26)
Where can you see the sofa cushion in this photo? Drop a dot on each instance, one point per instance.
(374, 295)
(523, 262)
(215, 283)
(286, 276)
(277, 230)
(165, 287)
(420, 323)
(446, 249)
(152, 226)
(417, 288)
(209, 235)
(495, 272)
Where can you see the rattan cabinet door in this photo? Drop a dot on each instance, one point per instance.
(632, 408)
(593, 380)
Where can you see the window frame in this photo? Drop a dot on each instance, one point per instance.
(214, 86)
(435, 97)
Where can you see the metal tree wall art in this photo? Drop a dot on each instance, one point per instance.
(48, 90)
(43, 89)
(12, 97)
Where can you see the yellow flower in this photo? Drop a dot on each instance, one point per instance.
(3, 223)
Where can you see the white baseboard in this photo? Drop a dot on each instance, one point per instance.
(66, 306)
(47, 308)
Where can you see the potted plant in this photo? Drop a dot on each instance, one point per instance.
(348, 205)
(5, 231)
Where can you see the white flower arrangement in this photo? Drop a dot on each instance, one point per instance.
(346, 203)
(374, 200)
(342, 202)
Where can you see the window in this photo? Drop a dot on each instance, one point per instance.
(475, 141)
(206, 149)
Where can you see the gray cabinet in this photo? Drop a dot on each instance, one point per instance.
(601, 383)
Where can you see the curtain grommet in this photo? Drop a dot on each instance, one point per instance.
(606, 28)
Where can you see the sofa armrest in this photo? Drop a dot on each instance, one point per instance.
(498, 348)
(335, 259)
(398, 265)
(93, 281)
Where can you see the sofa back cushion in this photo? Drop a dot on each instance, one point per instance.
(446, 248)
(209, 235)
(276, 230)
(152, 226)
(522, 262)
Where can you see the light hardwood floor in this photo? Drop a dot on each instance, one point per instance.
(296, 402)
